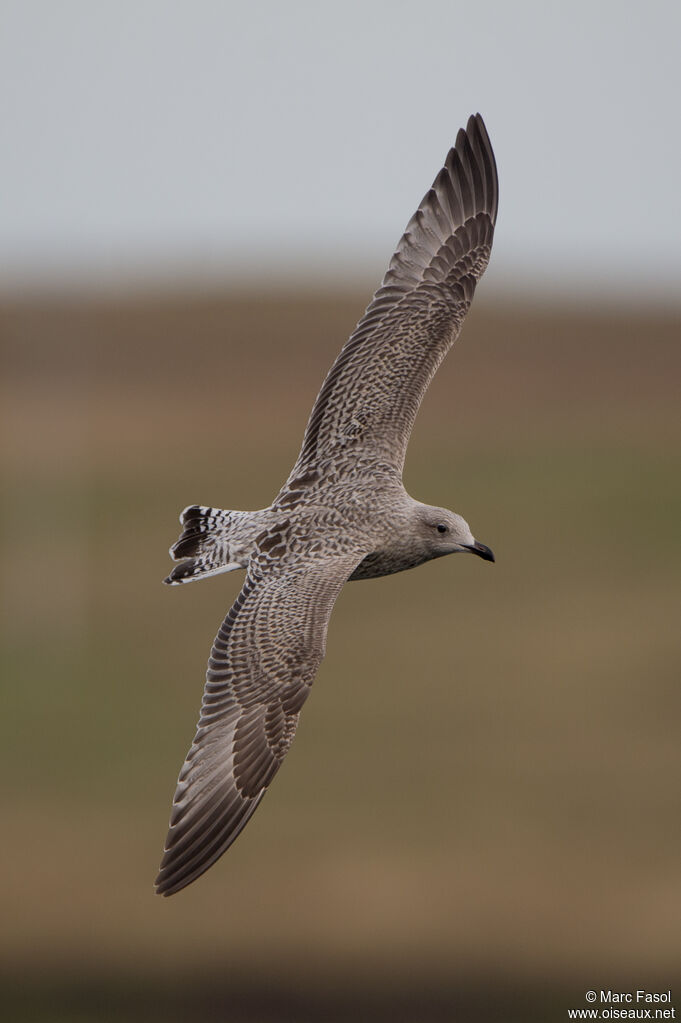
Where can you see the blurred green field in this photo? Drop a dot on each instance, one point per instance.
(479, 818)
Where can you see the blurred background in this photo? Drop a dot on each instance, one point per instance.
(479, 816)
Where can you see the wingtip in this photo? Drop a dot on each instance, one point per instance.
(478, 139)
(475, 121)
(166, 884)
(161, 890)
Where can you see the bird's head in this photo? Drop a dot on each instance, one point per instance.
(444, 532)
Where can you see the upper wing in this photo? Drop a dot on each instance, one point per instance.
(261, 667)
(370, 398)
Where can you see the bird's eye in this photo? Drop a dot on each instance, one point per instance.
(441, 528)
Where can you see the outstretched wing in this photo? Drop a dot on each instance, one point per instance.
(369, 400)
(263, 662)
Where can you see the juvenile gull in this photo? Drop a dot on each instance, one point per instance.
(342, 514)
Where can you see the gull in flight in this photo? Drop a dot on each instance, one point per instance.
(342, 514)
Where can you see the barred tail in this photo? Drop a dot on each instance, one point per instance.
(204, 546)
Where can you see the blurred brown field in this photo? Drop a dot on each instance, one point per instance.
(479, 818)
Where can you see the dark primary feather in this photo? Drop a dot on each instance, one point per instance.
(373, 391)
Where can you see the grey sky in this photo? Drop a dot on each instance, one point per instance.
(226, 139)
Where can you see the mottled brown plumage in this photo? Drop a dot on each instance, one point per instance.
(342, 514)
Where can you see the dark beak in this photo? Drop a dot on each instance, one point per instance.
(481, 550)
